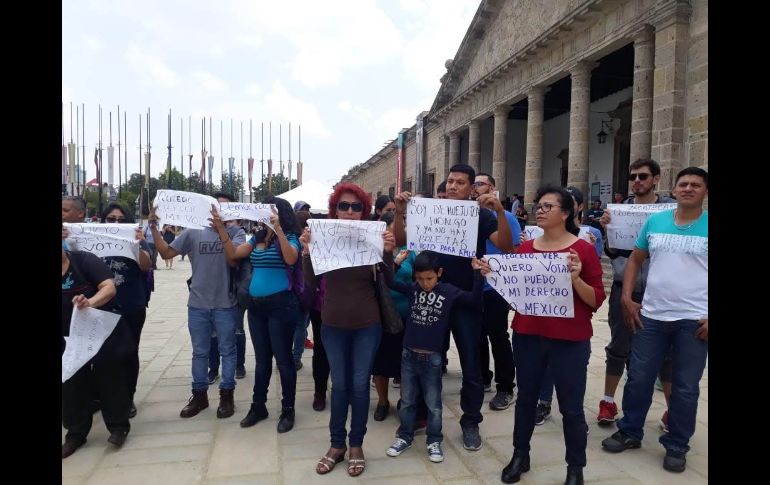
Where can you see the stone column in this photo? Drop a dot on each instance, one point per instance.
(641, 110)
(474, 145)
(533, 172)
(580, 101)
(454, 150)
(498, 149)
(668, 118)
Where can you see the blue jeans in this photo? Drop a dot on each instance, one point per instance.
(648, 348)
(201, 322)
(567, 362)
(351, 357)
(420, 375)
(300, 334)
(240, 344)
(271, 325)
(465, 324)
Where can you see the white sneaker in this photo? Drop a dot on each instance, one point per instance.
(434, 452)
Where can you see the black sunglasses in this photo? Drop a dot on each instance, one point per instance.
(641, 176)
(345, 206)
(115, 219)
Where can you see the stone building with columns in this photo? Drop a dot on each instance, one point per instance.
(567, 92)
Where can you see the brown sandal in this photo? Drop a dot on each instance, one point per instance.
(328, 463)
(356, 466)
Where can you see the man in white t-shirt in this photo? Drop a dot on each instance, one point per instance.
(673, 317)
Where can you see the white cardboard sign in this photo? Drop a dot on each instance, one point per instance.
(338, 243)
(443, 225)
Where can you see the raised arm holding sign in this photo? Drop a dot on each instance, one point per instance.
(338, 243)
(627, 220)
(186, 209)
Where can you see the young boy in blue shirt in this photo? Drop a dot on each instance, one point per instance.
(431, 303)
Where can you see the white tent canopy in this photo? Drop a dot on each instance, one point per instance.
(314, 193)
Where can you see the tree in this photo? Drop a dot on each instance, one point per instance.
(178, 182)
(236, 189)
(279, 186)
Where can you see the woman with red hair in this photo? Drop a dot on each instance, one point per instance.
(350, 332)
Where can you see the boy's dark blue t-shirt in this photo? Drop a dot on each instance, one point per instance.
(429, 312)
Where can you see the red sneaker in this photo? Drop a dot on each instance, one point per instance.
(664, 422)
(308, 343)
(607, 412)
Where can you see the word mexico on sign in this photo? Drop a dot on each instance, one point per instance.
(186, 209)
(626, 220)
(104, 240)
(443, 225)
(536, 284)
(337, 243)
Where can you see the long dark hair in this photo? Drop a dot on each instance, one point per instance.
(286, 217)
(380, 204)
(114, 205)
(565, 201)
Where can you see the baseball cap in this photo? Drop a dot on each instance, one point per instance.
(301, 205)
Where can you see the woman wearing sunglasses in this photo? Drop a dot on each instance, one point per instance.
(351, 333)
(561, 345)
(130, 280)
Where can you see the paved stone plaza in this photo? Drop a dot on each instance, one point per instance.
(163, 448)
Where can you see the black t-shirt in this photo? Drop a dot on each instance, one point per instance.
(457, 269)
(85, 273)
(428, 320)
(130, 281)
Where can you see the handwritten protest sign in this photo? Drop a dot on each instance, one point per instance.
(533, 232)
(534, 284)
(443, 225)
(89, 328)
(104, 239)
(244, 210)
(337, 243)
(626, 220)
(186, 209)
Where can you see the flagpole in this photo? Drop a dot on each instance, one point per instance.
(270, 160)
(202, 175)
(110, 162)
(147, 161)
(125, 145)
(189, 146)
(141, 188)
(222, 153)
(99, 164)
(83, 167)
(231, 161)
(280, 155)
(240, 191)
(262, 160)
(289, 155)
(251, 164)
(211, 157)
(77, 152)
(120, 169)
(168, 163)
(301, 169)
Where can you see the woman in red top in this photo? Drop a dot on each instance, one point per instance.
(561, 344)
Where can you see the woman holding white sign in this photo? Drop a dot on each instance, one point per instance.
(562, 345)
(86, 282)
(351, 332)
(273, 309)
(130, 281)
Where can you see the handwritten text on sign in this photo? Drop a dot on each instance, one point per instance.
(626, 220)
(534, 284)
(186, 209)
(443, 225)
(104, 239)
(337, 243)
(89, 328)
(244, 210)
(534, 232)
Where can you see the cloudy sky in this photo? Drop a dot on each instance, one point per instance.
(352, 73)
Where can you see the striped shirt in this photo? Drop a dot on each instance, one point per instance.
(269, 275)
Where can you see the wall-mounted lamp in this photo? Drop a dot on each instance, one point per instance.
(602, 135)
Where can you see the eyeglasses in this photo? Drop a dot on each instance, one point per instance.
(346, 206)
(115, 219)
(480, 184)
(640, 176)
(545, 207)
